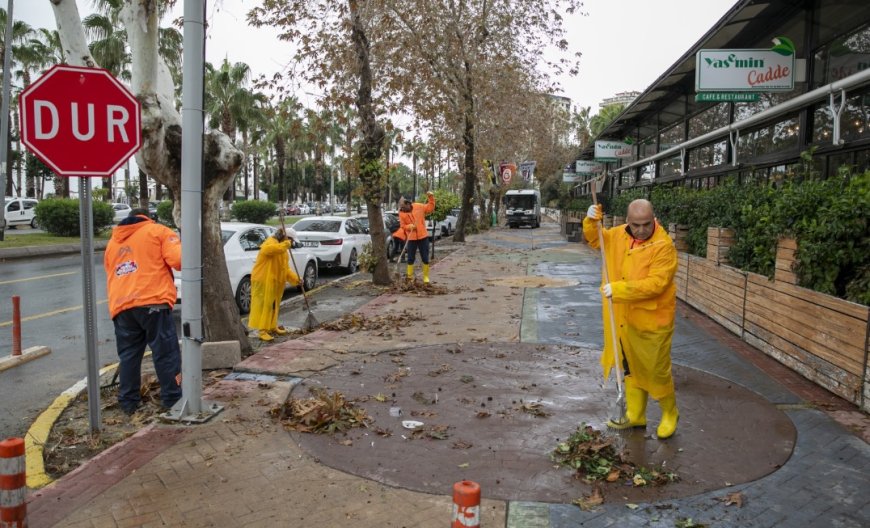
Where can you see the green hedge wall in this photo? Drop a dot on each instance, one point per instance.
(60, 216)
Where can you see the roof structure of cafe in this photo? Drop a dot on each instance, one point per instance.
(672, 138)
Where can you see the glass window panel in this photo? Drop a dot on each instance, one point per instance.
(648, 172)
(672, 136)
(838, 161)
(708, 155)
(773, 138)
(854, 121)
(710, 119)
(843, 57)
(862, 161)
(671, 166)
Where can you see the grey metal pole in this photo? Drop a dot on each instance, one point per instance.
(86, 222)
(331, 191)
(191, 408)
(4, 118)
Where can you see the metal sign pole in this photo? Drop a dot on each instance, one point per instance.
(86, 215)
(4, 117)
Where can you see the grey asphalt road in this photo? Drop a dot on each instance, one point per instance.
(51, 300)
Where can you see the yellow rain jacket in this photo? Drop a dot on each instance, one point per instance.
(644, 303)
(271, 272)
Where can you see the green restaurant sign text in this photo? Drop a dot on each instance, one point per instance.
(729, 97)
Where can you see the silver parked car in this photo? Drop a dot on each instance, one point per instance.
(336, 241)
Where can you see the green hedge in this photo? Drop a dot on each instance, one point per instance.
(254, 211)
(60, 216)
(828, 218)
(164, 213)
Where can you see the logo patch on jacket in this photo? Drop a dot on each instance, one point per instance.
(126, 268)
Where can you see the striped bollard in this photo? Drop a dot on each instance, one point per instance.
(13, 484)
(466, 504)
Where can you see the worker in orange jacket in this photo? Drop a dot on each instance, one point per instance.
(641, 263)
(412, 219)
(139, 260)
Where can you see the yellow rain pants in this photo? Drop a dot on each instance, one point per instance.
(644, 304)
(271, 272)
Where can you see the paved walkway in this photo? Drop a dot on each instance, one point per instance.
(531, 298)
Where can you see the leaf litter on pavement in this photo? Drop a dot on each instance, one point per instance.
(70, 441)
(321, 413)
(356, 322)
(596, 458)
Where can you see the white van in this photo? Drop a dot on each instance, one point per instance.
(20, 211)
(523, 207)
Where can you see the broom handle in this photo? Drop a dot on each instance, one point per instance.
(617, 357)
(293, 260)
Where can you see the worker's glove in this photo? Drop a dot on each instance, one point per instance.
(412, 228)
(594, 212)
(430, 193)
(607, 290)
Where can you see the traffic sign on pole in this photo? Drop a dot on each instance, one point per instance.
(80, 121)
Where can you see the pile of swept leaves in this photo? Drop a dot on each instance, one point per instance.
(416, 287)
(322, 413)
(355, 322)
(595, 457)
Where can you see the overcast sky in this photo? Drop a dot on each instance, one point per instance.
(626, 44)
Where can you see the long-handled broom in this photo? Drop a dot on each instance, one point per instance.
(310, 322)
(617, 411)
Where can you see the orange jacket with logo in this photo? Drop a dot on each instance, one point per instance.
(139, 261)
(417, 217)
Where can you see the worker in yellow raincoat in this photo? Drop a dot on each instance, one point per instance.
(270, 274)
(641, 263)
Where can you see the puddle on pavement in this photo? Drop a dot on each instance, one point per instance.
(532, 281)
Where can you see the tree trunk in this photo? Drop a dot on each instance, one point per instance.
(465, 213)
(371, 170)
(143, 189)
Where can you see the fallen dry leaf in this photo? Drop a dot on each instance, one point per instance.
(587, 502)
(735, 499)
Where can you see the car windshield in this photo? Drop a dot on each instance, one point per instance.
(318, 224)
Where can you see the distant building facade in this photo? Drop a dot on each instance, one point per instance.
(624, 98)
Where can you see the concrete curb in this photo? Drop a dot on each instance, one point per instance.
(26, 356)
(50, 250)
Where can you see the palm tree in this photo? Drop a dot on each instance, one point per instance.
(228, 100)
(603, 118)
(580, 122)
(21, 33)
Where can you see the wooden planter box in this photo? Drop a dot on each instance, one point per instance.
(823, 338)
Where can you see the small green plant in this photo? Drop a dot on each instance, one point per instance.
(164, 213)
(253, 211)
(60, 216)
(366, 260)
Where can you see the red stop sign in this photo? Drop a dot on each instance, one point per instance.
(80, 121)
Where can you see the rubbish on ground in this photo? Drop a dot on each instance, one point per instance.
(411, 424)
(322, 413)
(595, 457)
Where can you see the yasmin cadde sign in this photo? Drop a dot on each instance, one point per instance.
(746, 70)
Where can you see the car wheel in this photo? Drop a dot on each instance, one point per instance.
(352, 264)
(309, 277)
(445, 231)
(391, 249)
(34, 224)
(243, 295)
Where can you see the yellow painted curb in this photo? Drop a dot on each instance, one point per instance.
(37, 435)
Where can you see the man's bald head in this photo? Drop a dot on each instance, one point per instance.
(641, 219)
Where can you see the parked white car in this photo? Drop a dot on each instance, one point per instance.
(122, 211)
(336, 241)
(241, 246)
(20, 211)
